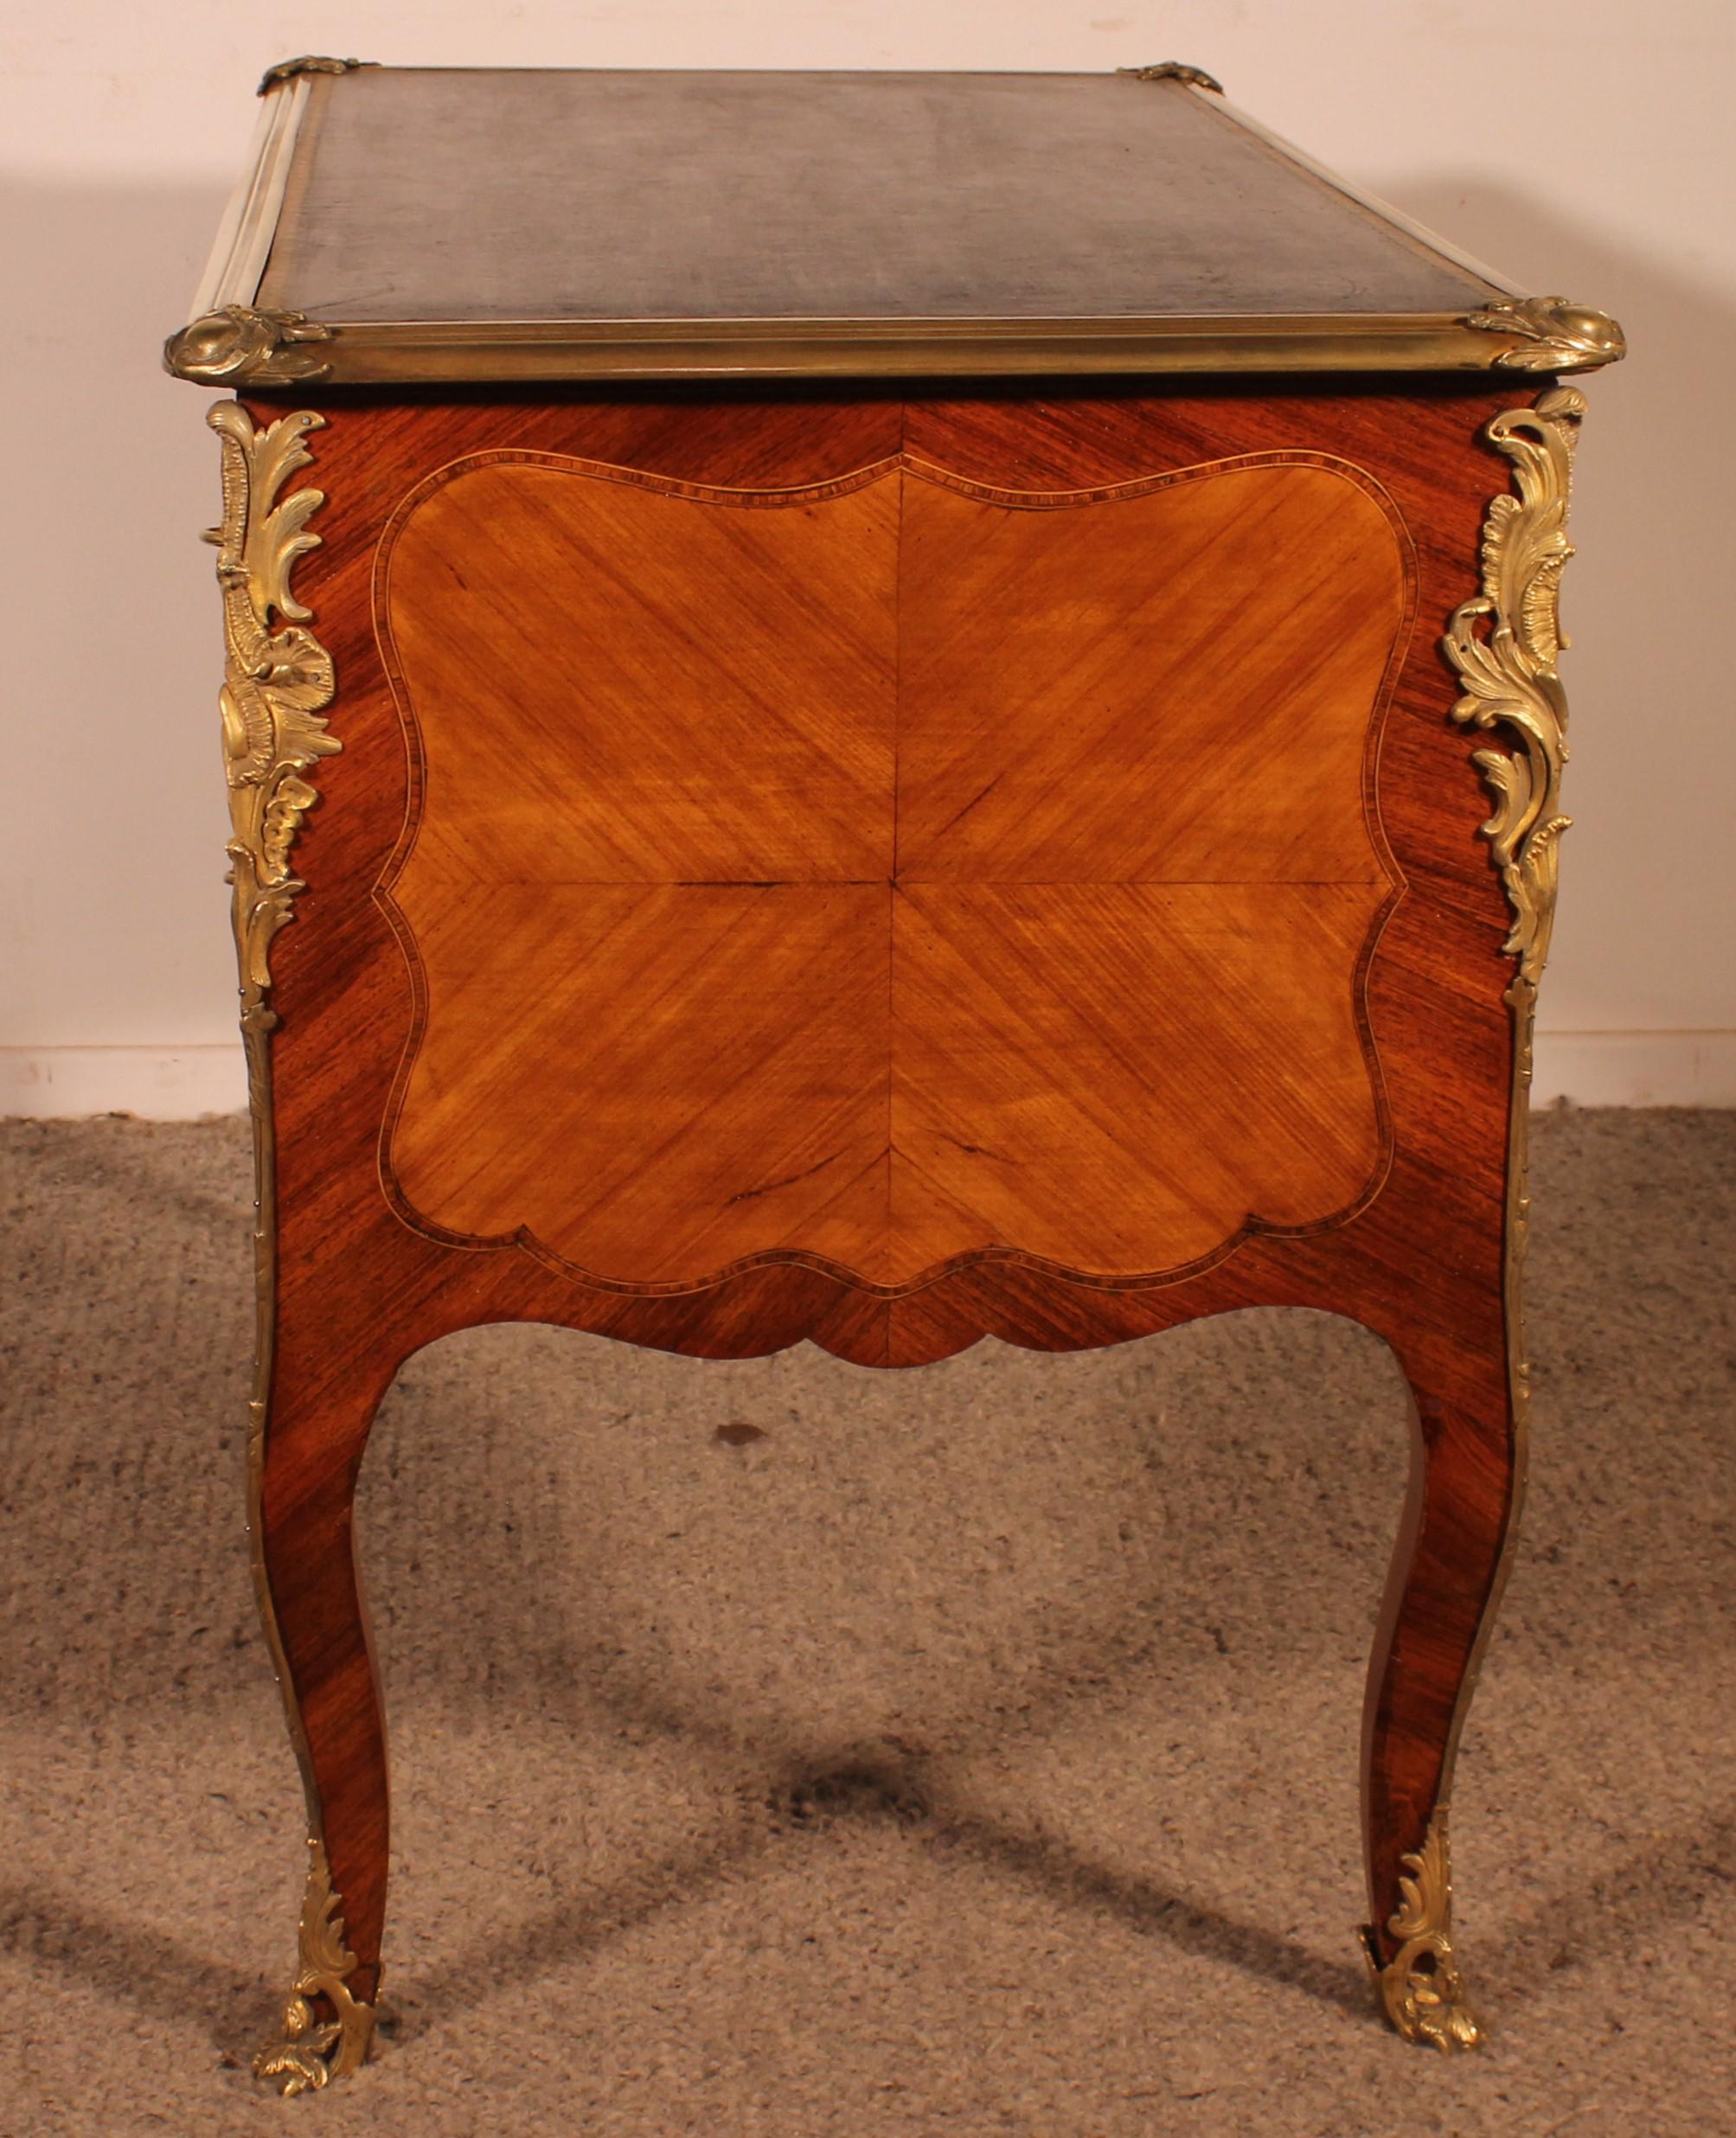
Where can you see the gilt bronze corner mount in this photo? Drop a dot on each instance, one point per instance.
(277, 684)
(1176, 70)
(1503, 644)
(241, 343)
(1549, 334)
(307, 63)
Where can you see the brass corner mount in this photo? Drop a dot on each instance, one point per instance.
(277, 684)
(1176, 70)
(1549, 334)
(1504, 645)
(307, 63)
(242, 345)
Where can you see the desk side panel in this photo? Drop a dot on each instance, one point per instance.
(1434, 994)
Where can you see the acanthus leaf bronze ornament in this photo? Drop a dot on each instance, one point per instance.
(1176, 70)
(315, 2050)
(307, 63)
(1420, 1986)
(277, 684)
(1551, 335)
(1503, 644)
(241, 344)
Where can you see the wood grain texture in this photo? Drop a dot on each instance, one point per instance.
(652, 1080)
(1420, 1261)
(1109, 757)
(616, 681)
(1092, 1069)
(1171, 681)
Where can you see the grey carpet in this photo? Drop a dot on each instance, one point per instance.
(972, 1750)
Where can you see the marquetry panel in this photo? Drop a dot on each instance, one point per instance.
(621, 684)
(652, 1080)
(1091, 1070)
(1172, 685)
(892, 871)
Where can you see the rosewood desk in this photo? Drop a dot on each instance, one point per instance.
(923, 707)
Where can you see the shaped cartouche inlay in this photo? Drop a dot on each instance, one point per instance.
(888, 871)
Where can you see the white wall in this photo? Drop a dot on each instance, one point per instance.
(1585, 148)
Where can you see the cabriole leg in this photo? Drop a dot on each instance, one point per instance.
(1468, 1464)
(1466, 1479)
(310, 1453)
(312, 1411)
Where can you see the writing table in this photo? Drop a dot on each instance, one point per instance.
(921, 707)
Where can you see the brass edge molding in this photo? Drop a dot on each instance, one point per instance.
(226, 347)
(1176, 70)
(277, 685)
(1549, 334)
(1504, 645)
(307, 63)
(1421, 1988)
(243, 242)
(241, 344)
(313, 2051)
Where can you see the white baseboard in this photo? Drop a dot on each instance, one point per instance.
(1636, 1068)
(160, 1083)
(187, 1083)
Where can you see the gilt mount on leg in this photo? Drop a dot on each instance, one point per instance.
(1421, 1987)
(326, 2030)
